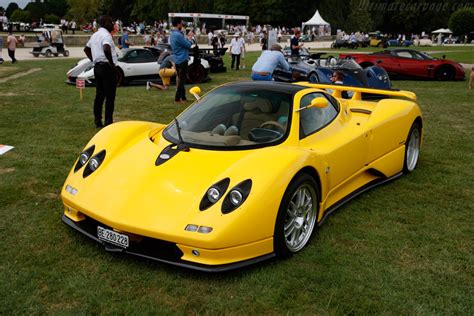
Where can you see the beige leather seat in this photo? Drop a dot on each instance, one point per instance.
(256, 112)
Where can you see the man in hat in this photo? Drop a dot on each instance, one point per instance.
(237, 46)
(267, 62)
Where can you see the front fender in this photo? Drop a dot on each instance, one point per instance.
(271, 170)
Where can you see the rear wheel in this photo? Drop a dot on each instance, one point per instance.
(36, 54)
(66, 53)
(313, 78)
(196, 73)
(445, 73)
(297, 216)
(412, 148)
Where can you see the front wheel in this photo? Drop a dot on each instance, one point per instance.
(48, 53)
(297, 216)
(445, 73)
(66, 53)
(412, 148)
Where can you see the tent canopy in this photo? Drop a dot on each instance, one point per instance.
(316, 20)
(442, 31)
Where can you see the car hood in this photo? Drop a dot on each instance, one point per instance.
(129, 192)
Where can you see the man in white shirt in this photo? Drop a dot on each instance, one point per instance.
(101, 50)
(237, 47)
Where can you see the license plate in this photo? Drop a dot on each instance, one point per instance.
(112, 237)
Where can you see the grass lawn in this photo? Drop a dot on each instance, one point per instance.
(403, 248)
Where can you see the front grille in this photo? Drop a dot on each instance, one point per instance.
(143, 246)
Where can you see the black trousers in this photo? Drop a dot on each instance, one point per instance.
(11, 53)
(105, 88)
(235, 58)
(182, 73)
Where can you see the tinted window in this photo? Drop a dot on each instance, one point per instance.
(140, 56)
(313, 119)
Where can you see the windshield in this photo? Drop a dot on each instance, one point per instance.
(235, 116)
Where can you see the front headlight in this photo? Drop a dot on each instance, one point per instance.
(236, 196)
(94, 163)
(84, 157)
(213, 194)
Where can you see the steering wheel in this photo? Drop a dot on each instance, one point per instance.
(279, 126)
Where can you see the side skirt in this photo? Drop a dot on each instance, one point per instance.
(356, 193)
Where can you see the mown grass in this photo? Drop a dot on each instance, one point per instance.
(403, 248)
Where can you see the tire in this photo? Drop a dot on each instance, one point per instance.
(196, 73)
(313, 77)
(36, 54)
(412, 148)
(66, 53)
(445, 73)
(47, 53)
(294, 227)
(56, 55)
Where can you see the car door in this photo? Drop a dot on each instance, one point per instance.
(410, 64)
(140, 63)
(340, 144)
(386, 61)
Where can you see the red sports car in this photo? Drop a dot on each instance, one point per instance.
(410, 63)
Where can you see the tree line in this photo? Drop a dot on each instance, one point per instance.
(389, 16)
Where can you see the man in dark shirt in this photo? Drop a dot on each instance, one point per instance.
(295, 45)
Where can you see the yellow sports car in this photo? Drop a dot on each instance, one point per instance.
(246, 173)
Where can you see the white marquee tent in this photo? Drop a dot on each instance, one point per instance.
(322, 27)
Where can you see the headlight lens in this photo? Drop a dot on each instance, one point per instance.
(235, 197)
(84, 157)
(213, 195)
(94, 163)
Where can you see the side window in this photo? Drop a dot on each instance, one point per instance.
(404, 54)
(313, 119)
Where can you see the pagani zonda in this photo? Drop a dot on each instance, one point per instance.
(246, 173)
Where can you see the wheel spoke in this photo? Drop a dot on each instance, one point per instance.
(290, 223)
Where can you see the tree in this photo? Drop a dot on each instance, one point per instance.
(462, 21)
(84, 10)
(11, 8)
(51, 18)
(20, 16)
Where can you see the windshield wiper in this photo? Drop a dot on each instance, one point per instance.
(181, 144)
(171, 150)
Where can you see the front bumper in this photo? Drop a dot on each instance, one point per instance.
(172, 253)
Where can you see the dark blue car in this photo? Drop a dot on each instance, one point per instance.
(320, 70)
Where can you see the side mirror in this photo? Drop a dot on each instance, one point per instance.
(195, 91)
(319, 103)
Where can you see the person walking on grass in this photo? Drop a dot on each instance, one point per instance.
(236, 48)
(11, 46)
(167, 70)
(101, 50)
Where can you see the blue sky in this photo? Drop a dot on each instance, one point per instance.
(21, 3)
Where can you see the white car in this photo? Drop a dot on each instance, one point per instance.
(137, 66)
